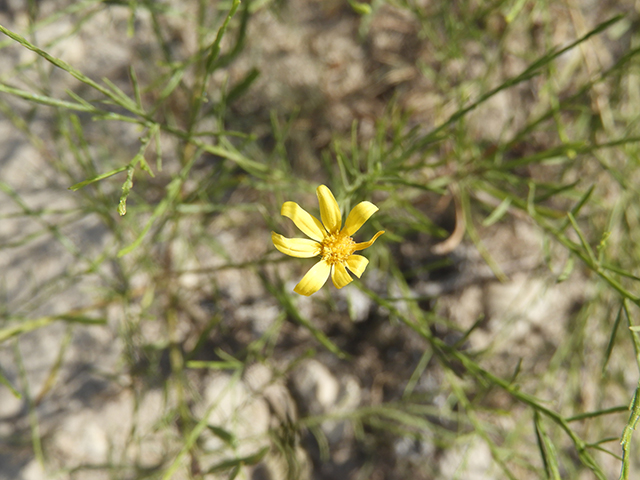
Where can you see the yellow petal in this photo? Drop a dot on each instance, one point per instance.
(357, 264)
(363, 245)
(358, 216)
(340, 276)
(295, 247)
(306, 222)
(329, 210)
(314, 279)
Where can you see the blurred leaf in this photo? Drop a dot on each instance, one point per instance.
(224, 435)
(547, 450)
(497, 213)
(240, 88)
(237, 462)
(627, 433)
(7, 384)
(26, 325)
(102, 176)
(360, 8)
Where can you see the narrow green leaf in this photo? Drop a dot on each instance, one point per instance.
(566, 271)
(136, 87)
(583, 240)
(597, 413)
(224, 435)
(102, 176)
(29, 325)
(81, 100)
(612, 336)
(214, 49)
(250, 166)
(125, 100)
(515, 10)
(620, 271)
(171, 85)
(242, 86)
(213, 365)
(234, 472)
(235, 462)
(547, 450)
(25, 326)
(497, 213)
(627, 433)
(66, 67)
(6, 383)
(44, 100)
(578, 206)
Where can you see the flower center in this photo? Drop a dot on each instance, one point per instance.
(336, 248)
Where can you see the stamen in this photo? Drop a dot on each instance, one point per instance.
(336, 248)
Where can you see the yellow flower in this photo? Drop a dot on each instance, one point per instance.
(335, 246)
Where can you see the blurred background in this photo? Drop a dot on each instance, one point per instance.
(148, 326)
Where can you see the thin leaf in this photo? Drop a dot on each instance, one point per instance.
(583, 240)
(497, 213)
(66, 67)
(627, 433)
(97, 178)
(224, 435)
(612, 337)
(6, 383)
(566, 271)
(242, 86)
(44, 100)
(547, 450)
(136, 87)
(236, 462)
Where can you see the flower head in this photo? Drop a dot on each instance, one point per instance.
(328, 240)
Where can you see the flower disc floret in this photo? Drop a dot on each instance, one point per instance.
(337, 248)
(334, 245)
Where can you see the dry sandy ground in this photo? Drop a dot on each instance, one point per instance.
(317, 57)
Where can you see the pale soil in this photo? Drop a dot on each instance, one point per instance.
(312, 57)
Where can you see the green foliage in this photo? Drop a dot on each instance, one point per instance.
(199, 168)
